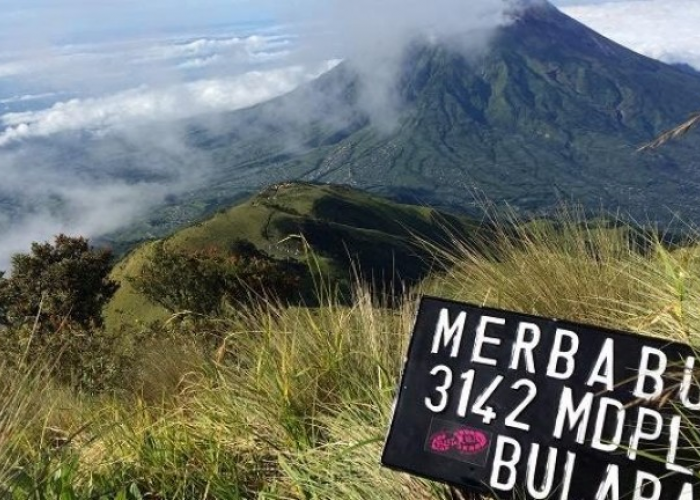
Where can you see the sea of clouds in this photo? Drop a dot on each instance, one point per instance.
(668, 30)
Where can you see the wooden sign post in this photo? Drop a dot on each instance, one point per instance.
(516, 406)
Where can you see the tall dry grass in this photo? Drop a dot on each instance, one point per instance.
(294, 403)
(602, 273)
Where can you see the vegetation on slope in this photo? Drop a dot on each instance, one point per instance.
(551, 111)
(293, 402)
(335, 230)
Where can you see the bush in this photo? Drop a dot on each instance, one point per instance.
(86, 360)
(57, 284)
(201, 282)
(51, 306)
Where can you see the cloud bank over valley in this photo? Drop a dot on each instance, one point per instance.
(86, 151)
(120, 111)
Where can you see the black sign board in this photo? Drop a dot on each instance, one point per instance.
(518, 406)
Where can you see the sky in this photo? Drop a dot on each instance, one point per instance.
(55, 21)
(133, 69)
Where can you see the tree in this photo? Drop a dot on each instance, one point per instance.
(66, 282)
(202, 281)
(181, 282)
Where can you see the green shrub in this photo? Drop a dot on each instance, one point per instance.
(66, 282)
(202, 282)
(88, 360)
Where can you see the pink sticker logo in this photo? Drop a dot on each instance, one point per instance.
(456, 441)
(464, 441)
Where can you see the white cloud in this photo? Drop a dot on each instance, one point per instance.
(371, 26)
(53, 182)
(8, 69)
(241, 48)
(146, 104)
(91, 187)
(112, 66)
(200, 62)
(92, 210)
(668, 30)
(374, 35)
(28, 98)
(94, 163)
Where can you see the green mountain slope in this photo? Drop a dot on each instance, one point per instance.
(340, 226)
(553, 111)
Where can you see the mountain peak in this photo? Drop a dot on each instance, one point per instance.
(519, 8)
(551, 105)
(542, 26)
(551, 111)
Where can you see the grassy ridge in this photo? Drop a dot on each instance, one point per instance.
(341, 226)
(293, 403)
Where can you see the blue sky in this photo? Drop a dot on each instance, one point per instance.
(61, 21)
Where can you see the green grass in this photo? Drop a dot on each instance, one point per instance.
(341, 226)
(293, 402)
